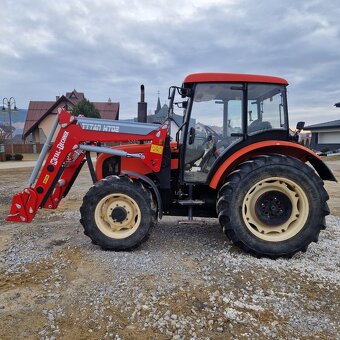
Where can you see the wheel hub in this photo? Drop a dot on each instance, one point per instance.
(119, 214)
(273, 208)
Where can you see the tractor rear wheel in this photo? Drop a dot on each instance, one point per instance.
(273, 206)
(117, 213)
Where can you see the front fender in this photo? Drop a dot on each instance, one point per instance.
(271, 147)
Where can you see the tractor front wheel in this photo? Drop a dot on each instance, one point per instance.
(273, 206)
(117, 213)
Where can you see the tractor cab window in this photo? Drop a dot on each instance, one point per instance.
(266, 108)
(215, 124)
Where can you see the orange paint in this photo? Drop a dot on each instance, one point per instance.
(266, 147)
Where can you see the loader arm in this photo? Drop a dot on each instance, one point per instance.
(58, 165)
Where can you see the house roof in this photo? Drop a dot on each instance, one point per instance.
(38, 110)
(34, 116)
(160, 116)
(108, 110)
(326, 125)
(74, 96)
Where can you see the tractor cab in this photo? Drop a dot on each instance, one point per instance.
(225, 112)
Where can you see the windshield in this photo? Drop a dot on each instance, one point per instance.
(219, 106)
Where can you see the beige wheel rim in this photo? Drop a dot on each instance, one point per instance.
(128, 211)
(256, 199)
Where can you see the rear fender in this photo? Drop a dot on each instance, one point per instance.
(271, 147)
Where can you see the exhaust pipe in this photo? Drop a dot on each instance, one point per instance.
(142, 107)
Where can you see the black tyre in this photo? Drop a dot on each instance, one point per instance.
(117, 213)
(273, 206)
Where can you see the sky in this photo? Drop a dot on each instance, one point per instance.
(108, 48)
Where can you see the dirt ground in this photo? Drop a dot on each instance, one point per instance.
(185, 282)
(334, 188)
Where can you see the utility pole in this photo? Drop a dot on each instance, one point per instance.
(9, 102)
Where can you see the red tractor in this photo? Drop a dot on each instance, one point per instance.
(229, 155)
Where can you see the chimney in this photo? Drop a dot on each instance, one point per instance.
(57, 98)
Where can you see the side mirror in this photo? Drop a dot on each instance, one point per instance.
(192, 133)
(300, 126)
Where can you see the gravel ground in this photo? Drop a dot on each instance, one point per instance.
(185, 282)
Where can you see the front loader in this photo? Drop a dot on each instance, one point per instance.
(229, 155)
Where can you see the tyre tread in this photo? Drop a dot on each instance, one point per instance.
(227, 191)
(93, 194)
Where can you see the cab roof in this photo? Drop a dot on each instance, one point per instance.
(232, 77)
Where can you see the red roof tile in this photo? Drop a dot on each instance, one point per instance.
(107, 110)
(36, 111)
(74, 96)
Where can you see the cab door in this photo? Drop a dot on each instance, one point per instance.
(214, 125)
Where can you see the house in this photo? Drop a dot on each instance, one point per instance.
(325, 135)
(5, 132)
(41, 114)
(305, 138)
(161, 115)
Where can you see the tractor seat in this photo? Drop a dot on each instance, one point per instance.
(258, 125)
(194, 155)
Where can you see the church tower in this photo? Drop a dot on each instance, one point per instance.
(158, 105)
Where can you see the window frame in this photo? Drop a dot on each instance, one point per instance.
(285, 126)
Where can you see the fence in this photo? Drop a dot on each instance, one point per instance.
(24, 148)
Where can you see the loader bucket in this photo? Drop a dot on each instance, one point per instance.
(23, 206)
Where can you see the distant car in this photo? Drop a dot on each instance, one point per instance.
(321, 153)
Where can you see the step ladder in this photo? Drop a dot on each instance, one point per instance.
(190, 203)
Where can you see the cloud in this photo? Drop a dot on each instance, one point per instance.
(108, 48)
